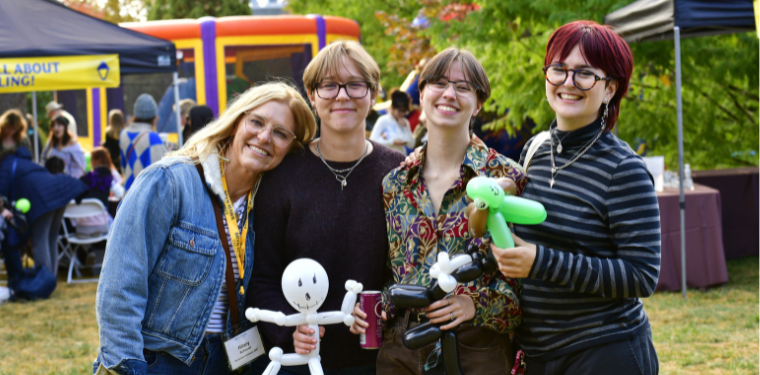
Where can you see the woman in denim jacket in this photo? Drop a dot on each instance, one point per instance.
(162, 299)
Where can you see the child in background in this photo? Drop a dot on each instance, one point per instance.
(102, 180)
(55, 165)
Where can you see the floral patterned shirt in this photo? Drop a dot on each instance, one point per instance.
(416, 234)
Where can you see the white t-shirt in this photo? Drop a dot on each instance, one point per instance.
(387, 130)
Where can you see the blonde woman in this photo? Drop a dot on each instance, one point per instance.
(114, 128)
(162, 302)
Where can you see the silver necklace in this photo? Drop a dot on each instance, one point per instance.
(579, 153)
(559, 141)
(337, 172)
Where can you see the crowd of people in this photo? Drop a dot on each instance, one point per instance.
(255, 189)
(64, 173)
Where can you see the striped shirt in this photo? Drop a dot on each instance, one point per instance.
(219, 315)
(598, 251)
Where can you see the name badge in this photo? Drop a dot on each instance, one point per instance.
(244, 347)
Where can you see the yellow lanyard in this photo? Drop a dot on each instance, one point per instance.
(238, 237)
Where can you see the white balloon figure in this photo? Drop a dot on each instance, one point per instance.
(305, 285)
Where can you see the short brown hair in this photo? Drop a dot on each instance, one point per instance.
(13, 121)
(439, 65)
(101, 158)
(329, 61)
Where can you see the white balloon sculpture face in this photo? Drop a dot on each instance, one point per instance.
(305, 285)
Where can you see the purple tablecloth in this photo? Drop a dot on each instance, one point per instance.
(740, 208)
(705, 260)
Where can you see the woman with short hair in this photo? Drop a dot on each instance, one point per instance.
(326, 204)
(63, 145)
(171, 266)
(586, 267)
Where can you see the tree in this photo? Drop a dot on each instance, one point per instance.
(114, 11)
(720, 79)
(176, 9)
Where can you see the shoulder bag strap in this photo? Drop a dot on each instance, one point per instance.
(231, 294)
(132, 145)
(538, 140)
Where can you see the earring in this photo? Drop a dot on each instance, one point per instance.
(606, 111)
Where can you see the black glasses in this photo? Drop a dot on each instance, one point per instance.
(330, 90)
(583, 79)
(439, 83)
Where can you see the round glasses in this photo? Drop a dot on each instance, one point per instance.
(281, 136)
(330, 90)
(583, 79)
(439, 83)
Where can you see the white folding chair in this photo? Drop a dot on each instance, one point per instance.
(88, 207)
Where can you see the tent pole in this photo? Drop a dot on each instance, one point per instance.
(682, 202)
(36, 131)
(177, 109)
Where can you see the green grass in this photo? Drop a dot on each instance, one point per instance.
(712, 332)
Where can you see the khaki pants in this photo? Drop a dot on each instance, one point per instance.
(481, 351)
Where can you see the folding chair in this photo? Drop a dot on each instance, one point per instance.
(88, 207)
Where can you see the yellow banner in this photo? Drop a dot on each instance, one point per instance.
(756, 4)
(58, 73)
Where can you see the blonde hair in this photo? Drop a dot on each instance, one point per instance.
(184, 106)
(115, 123)
(215, 137)
(330, 59)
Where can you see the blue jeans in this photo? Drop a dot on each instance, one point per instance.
(260, 364)
(210, 359)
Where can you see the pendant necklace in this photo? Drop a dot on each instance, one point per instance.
(577, 155)
(338, 172)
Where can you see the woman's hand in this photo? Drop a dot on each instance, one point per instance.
(7, 215)
(517, 261)
(360, 324)
(412, 158)
(453, 310)
(304, 343)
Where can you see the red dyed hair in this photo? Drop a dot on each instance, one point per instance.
(602, 49)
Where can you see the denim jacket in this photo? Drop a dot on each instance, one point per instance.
(164, 267)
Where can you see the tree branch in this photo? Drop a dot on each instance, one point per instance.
(724, 109)
(741, 109)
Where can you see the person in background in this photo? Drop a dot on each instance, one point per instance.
(100, 180)
(140, 145)
(55, 165)
(392, 129)
(61, 144)
(113, 130)
(13, 131)
(48, 194)
(54, 110)
(185, 105)
(586, 268)
(198, 117)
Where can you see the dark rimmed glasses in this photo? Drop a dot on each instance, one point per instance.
(331, 90)
(583, 79)
(281, 136)
(439, 83)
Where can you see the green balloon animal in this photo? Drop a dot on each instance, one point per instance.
(503, 209)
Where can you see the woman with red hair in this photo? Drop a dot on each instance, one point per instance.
(586, 267)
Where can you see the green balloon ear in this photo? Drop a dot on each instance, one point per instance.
(487, 190)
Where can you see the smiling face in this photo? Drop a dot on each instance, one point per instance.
(257, 152)
(305, 285)
(343, 114)
(576, 108)
(449, 108)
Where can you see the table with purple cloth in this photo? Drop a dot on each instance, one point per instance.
(740, 208)
(705, 259)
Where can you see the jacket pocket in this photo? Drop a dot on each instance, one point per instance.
(188, 256)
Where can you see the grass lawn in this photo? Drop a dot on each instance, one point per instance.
(712, 332)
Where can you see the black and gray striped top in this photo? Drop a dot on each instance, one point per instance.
(598, 251)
